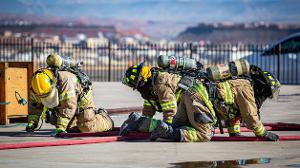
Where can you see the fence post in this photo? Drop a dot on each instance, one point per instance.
(278, 62)
(109, 61)
(32, 53)
(191, 50)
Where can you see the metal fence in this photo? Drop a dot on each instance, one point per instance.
(108, 61)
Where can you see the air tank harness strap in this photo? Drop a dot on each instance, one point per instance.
(178, 94)
(154, 104)
(212, 92)
(229, 106)
(200, 88)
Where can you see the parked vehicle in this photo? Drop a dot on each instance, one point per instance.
(282, 59)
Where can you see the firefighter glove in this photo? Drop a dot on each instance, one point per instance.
(30, 127)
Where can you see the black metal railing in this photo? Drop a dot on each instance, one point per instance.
(108, 61)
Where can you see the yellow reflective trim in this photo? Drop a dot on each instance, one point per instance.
(228, 93)
(62, 122)
(168, 105)
(204, 95)
(273, 83)
(132, 77)
(153, 124)
(195, 135)
(168, 108)
(234, 129)
(45, 109)
(169, 121)
(67, 95)
(270, 77)
(259, 131)
(134, 70)
(86, 98)
(192, 134)
(178, 95)
(147, 103)
(33, 118)
(134, 66)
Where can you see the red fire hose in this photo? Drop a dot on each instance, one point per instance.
(125, 110)
(281, 138)
(130, 136)
(268, 127)
(112, 136)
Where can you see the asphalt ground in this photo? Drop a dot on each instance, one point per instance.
(158, 154)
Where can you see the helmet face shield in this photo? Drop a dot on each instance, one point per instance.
(275, 89)
(50, 100)
(275, 93)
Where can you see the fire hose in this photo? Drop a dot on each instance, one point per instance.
(112, 136)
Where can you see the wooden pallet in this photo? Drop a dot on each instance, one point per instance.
(15, 78)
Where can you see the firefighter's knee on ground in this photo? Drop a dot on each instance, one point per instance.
(131, 124)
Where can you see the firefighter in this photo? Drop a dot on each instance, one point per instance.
(158, 89)
(241, 99)
(236, 99)
(192, 120)
(69, 107)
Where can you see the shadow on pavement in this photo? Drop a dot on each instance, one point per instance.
(41, 133)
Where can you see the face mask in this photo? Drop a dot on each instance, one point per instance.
(52, 100)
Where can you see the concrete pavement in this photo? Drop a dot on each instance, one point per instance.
(156, 154)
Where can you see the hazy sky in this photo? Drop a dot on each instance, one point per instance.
(161, 10)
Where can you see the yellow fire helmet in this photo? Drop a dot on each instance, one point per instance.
(135, 74)
(43, 86)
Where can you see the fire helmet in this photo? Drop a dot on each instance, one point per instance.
(43, 85)
(135, 74)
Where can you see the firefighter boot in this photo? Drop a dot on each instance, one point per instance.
(131, 124)
(165, 131)
(30, 127)
(271, 136)
(235, 135)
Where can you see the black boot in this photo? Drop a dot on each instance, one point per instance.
(131, 124)
(235, 135)
(165, 131)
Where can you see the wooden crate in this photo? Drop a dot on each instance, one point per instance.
(14, 78)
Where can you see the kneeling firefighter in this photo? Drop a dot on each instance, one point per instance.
(194, 117)
(240, 91)
(65, 94)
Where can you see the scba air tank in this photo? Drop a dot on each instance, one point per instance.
(55, 60)
(176, 63)
(226, 71)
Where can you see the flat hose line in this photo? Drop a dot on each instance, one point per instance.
(112, 136)
(268, 127)
(130, 136)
